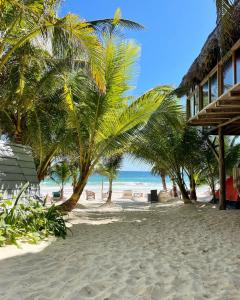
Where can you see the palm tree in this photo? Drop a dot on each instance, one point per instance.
(109, 167)
(103, 123)
(37, 22)
(60, 173)
(163, 144)
(37, 51)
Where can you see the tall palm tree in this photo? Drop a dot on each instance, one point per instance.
(162, 144)
(109, 167)
(104, 123)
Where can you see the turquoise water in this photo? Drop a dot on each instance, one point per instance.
(123, 177)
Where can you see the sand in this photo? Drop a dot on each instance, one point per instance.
(137, 251)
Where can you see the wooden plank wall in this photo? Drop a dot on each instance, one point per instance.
(16, 168)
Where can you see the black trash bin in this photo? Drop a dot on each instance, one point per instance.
(154, 196)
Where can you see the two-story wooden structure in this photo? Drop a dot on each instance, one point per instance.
(212, 87)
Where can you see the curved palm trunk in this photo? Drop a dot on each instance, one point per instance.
(43, 168)
(174, 188)
(109, 198)
(212, 187)
(193, 193)
(71, 203)
(62, 191)
(183, 190)
(74, 181)
(163, 178)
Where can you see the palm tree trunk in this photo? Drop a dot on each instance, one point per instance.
(212, 187)
(193, 193)
(43, 168)
(61, 192)
(183, 190)
(109, 198)
(71, 203)
(163, 178)
(174, 188)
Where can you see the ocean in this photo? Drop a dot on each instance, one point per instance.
(133, 180)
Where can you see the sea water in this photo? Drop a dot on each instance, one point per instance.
(126, 180)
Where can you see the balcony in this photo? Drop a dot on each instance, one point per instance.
(215, 102)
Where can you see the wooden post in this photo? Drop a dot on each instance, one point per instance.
(222, 173)
(220, 79)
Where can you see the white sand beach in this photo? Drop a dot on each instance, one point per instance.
(137, 251)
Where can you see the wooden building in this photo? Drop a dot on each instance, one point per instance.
(16, 168)
(212, 87)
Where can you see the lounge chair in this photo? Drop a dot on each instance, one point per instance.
(56, 196)
(137, 195)
(90, 195)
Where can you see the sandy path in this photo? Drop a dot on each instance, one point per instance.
(162, 253)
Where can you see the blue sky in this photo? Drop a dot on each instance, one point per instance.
(174, 34)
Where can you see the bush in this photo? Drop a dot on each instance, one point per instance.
(31, 222)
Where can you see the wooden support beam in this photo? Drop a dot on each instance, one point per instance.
(211, 146)
(235, 93)
(224, 110)
(219, 114)
(222, 172)
(228, 103)
(213, 117)
(233, 120)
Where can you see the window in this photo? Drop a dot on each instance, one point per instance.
(227, 75)
(192, 106)
(238, 64)
(205, 93)
(197, 101)
(214, 87)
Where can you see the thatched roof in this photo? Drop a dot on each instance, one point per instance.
(211, 52)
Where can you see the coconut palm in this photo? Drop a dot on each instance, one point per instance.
(103, 124)
(37, 50)
(162, 144)
(36, 22)
(109, 167)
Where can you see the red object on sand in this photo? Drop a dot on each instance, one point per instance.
(231, 193)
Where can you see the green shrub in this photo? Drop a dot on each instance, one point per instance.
(31, 222)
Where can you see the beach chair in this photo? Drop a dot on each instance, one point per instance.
(128, 194)
(90, 195)
(137, 195)
(56, 196)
